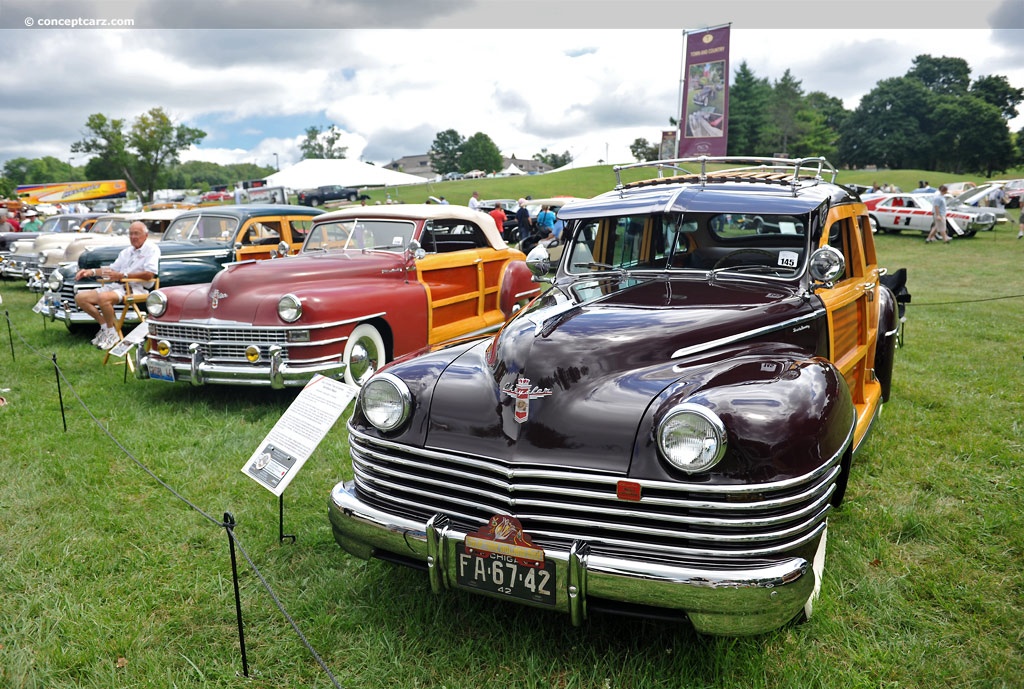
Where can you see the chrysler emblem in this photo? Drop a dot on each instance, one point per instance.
(215, 297)
(522, 393)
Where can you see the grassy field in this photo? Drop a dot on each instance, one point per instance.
(110, 580)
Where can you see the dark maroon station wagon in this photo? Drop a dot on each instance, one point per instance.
(666, 429)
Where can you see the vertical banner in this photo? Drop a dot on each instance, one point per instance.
(669, 145)
(704, 122)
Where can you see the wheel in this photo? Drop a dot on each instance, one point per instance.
(314, 202)
(364, 354)
(818, 568)
(351, 197)
(874, 225)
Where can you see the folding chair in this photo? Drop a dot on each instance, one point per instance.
(131, 302)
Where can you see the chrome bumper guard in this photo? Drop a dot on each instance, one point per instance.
(732, 600)
(275, 372)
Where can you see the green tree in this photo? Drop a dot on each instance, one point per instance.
(555, 160)
(643, 151)
(41, 170)
(444, 152)
(479, 152)
(157, 141)
(786, 104)
(105, 140)
(943, 75)
(890, 127)
(749, 116)
(996, 90)
(323, 143)
(973, 135)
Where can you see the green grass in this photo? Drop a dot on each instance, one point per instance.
(924, 585)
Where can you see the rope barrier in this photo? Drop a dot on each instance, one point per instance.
(228, 523)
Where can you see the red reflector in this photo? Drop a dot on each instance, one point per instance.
(628, 490)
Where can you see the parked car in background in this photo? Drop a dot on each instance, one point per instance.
(332, 192)
(195, 246)
(109, 230)
(990, 198)
(956, 188)
(665, 431)
(1014, 189)
(371, 284)
(216, 196)
(893, 213)
(59, 230)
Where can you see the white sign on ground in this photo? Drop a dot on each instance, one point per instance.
(297, 433)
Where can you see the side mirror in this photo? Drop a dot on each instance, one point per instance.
(415, 250)
(826, 264)
(282, 248)
(538, 261)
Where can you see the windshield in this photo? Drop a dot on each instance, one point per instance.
(202, 228)
(60, 224)
(772, 245)
(356, 234)
(110, 226)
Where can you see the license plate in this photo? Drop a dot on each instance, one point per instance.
(505, 575)
(161, 370)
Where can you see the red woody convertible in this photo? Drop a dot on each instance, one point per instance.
(370, 284)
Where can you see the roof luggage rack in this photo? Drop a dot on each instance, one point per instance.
(792, 172)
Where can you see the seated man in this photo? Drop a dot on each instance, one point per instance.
(140, 261)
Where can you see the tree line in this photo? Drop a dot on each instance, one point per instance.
(935, 117)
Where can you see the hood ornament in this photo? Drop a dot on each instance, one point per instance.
(215, 296)
(522, 393)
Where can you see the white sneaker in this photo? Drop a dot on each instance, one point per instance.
(99, 336)
(110, 340)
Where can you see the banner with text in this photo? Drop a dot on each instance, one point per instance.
(704, 122)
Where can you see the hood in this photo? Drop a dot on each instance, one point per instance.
(248, 292)
(585, 370)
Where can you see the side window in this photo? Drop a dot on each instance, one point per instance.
(300, 228)
(265, 233)
(448, 236)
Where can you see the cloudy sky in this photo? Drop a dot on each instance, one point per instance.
(584, 76)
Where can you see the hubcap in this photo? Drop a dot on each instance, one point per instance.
(364, 361)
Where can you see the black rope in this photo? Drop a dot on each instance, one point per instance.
(219, 523)
(966, 301)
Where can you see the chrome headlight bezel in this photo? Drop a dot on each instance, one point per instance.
(55, 281)
(386, 402)
(289, 308)
(156, 303)
(691, 438)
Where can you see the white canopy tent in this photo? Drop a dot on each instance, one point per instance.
(316, 172)
(512, 169)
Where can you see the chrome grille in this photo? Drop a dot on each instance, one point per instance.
(216, 342)
(558, 506)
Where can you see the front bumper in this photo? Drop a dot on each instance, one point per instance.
(735, 598)
(274, 372)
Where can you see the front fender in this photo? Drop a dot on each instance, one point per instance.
(784, 417)
(517, 285)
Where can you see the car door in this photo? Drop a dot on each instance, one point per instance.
(461, 274)
(919, 214)
(852, 306)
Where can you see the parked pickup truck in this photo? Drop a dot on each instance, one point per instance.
(332, 192)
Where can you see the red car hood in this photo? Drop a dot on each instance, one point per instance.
(249, 292)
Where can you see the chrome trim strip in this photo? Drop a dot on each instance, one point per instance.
(738, 337)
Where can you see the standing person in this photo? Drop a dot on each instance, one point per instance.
(939, 216)
(546, 219)
(523, 220)
(33, 223)
(141, 261)
(498, 213)
(5, 222)
(474, 201)
(1021, 233)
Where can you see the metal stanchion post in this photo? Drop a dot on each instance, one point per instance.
(229, 525)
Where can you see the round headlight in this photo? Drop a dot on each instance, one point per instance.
(156, 303)
(289, 308)
(55, 281)
(692, 438)
(163, 348)
(386, 401)
(252, 354)
(41, 257)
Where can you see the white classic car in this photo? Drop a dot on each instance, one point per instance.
(898, 212)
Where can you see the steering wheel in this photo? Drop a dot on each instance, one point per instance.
(729, 255)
